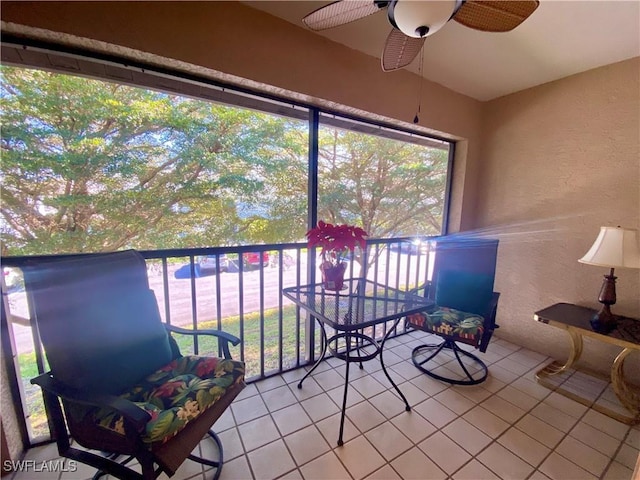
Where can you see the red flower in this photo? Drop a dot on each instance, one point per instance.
(336, 239)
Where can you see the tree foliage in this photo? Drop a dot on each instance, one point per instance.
(92, 166)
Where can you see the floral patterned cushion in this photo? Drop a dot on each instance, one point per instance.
(451, 323)
(176, 394)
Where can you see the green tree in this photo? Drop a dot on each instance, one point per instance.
(92, 166)
(389, 188)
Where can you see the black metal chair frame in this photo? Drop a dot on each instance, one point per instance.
(423, 354)
(450, 344)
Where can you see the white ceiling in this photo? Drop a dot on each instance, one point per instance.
(561, 38)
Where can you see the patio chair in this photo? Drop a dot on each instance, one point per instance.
(116, 370)
(464, 312)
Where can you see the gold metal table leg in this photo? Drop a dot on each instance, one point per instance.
(629, 398)
(554, 368)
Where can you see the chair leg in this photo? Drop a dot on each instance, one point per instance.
(431, 350)
(212, 463)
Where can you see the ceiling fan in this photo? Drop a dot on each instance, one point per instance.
(413, 20)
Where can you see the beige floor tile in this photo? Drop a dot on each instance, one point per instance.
(628, 456)
(553, 416)
(406, 370)
(513, 366)
(310, 388)
(306, 444)
(566, 405)
(328, 379)
(292, 475)
(224, 422)
(330, 427)
(485, 421)
(412, 393)
(474, 470)
(326, 467)
(384, 473)
(502, 374)
(556, 467)
(504, 463)
(617, 471)
(290, 419)
(518, 398)
(607, 424)
(278, 398)
(388, 403)
(527, 358)
(359, 457)
(230, 443)
(445, 453)
(538, 475)
(414, 426)
(365, 416)
(388, 440)
(263, 464)
(258, 432)
(475, 393)
(493, 384)
(531, 388)
(435, 412)
(368, 386)
(337, 396)
(236, 469)
(633, 438)
(248, 391)
(248, 409)
(429, 385)
(467, 436)
(415, 465)
(319, 407)
(455, 401)
(540, 430)
(71, 470)
(583, 455)
(530, 450)
(269, 383)
(503, 409)
(595, 438)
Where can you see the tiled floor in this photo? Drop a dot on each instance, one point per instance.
(509, 427)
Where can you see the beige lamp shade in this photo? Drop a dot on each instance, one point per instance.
(615, 247)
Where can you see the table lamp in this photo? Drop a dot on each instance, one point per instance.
(615, 247)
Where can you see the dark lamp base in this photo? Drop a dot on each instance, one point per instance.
(604, 321)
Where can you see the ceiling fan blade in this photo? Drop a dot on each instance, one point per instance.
(400, 50)
(341, 12)
(495, 16)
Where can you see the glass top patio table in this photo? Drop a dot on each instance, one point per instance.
(362, 303)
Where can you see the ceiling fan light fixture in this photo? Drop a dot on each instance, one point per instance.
(420, 19)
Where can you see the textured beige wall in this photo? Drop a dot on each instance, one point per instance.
(559, 161)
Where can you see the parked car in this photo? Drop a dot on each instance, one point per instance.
(253, 259)
(207, 263)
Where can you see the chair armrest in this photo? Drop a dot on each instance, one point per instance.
(137, 416)
(226, 338)
(425, 287)
(492, 310)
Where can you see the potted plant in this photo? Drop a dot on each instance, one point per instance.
(336, 241)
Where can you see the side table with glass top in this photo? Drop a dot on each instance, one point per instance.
(354, 316)
(575, 320)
